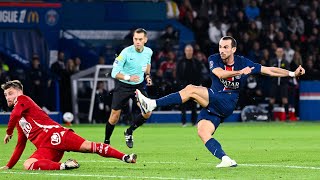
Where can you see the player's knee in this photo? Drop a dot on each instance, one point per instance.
(114, 118)
(204, 135)
(147, 115)
(27, 164)
(200, 133)
(190, 89)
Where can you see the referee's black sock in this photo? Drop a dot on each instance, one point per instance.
(138, 121)
(108, 132)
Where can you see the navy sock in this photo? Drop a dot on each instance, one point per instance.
(215, 148)
(171, 99)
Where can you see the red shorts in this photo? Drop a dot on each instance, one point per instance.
(56, 142)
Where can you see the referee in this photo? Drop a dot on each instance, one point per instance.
(129, 70)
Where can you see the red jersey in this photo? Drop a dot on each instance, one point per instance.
(32, 123)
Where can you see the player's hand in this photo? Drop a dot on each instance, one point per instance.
(149, 81)
(4, 168)
(7, 138)
(299, 71)
(246, 70)
(134, 78)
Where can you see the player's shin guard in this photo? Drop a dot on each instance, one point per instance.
(106, 150)
(215, 148)
(45, 164)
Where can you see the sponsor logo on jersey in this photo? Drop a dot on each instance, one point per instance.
(230, 84)
(55, 139)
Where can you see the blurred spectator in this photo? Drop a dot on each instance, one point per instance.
(252, 11)
(188, 72)
(58, 67)
(265, 59)
(280, 38)
(184, 9)
(170, 35)
(102, 103)
(279, 21)
(208, 9)
(167, 70)
(172, 9)
(167, 73)
(279, 85)
(102, 60)
(253, 31)
(66, 101)
(37, 81)
(288, 51)
(311, 72)
(215, 33)
(296, 61)
(255, 53)
(77, 64)
(311, 22)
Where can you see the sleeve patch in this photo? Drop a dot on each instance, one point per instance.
(119, 58)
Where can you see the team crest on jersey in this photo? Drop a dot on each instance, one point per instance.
(238, 77)
(25, 126)
(211, 64)
(55, 139)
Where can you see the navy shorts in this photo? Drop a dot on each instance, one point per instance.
(221, 105)
(205, 114)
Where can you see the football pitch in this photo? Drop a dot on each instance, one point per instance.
(169, 151)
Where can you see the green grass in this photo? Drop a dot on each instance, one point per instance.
(169, 151)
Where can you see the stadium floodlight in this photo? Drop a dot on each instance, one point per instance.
(89, 77)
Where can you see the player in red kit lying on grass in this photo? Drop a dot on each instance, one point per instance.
(49, 137)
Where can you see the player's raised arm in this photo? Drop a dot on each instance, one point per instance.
(21, 144)
(279, 72)
(223, 74)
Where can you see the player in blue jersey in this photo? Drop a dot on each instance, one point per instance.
(130, 69)
(218, 102)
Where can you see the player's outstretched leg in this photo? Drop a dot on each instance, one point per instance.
(105, 150)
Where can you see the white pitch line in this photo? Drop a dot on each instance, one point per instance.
(209, 163)
(251, 165)
(280, 166)
(96, 175)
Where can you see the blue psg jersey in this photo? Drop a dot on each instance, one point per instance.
(232, 84)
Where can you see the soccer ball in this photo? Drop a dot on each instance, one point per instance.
(68, 117)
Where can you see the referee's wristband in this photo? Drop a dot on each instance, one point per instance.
(126, 77)
(292, 74)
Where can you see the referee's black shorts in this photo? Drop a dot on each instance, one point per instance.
(123, 92)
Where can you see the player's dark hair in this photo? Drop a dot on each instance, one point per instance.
(141, 30)
(233, 41)
(16, 84)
